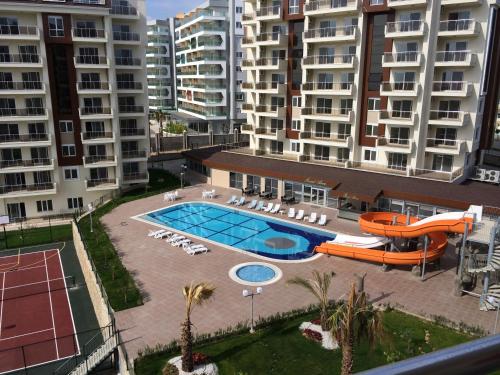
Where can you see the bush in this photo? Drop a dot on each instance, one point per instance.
(312, 335)
(169, 369)
(200, 359)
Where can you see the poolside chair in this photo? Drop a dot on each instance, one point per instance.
(211, 194)
(322, 220)
(291, 213)
(186, 246)
(276, 208)
(300, 215)
(268, 208)
(241, 202)
(197, 250)
(313, 218)
(186, 241)
(252, 204)
(260, 206)
(153, 233)
(176, 195)
(231, 200)
(174, 238)
(163, 235)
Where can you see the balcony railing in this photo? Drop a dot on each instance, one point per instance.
(126, 36)
(449, 86)
(396, 115)
(330, 32)
(267, 85)
(96, 135)
(128, 85)
(91, 85)
(21, 86)
(89, 111)
(332, 86)
(274, 10)
(330, 136)
(135, 176)
(18, 112)
(247, 107)
(452, 56)
(124, 10)
(404, 26)
(93, 159)
(18, 30)
(124, 132)
(328, 59)
(398, 86)
(131, 109)
(401, 57)
(446, 115)
(328, 4)
(443, 143)
(88, 33)
(101, 181)
(134, 154)
(91, 60)
(248, 17)
(4, 138)
(398, 142)
(25, 163)
(320, 111)
(5, 189)
(457, 25)
(128, 61)
(272, 36)
(23, 58)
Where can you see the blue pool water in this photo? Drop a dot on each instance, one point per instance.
(256, 273)
(262, 235)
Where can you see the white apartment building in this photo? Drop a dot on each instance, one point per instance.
(208, 65)
(161, 65)
(73, 108)
(392, 86)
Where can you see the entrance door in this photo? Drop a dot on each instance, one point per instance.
(16, 211)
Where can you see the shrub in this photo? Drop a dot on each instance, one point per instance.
(169, 369)
(200, 359)
(312, 335)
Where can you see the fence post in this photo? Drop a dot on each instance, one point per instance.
(22, 233)
(50, 230)
(5, 236)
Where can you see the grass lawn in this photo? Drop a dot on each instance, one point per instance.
(281, 349)
(35, 236)
(119, 284)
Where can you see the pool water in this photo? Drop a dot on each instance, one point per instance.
(257, 234)
(255, 273)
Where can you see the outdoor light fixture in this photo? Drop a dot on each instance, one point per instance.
(247, 293)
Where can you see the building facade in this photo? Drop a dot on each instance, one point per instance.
(161, 65)
(73, 108)
(404, 87)
(208, 55)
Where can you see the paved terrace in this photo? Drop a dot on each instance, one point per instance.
(162, 270)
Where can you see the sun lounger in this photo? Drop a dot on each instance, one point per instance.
(192, 246)
(260, 206)
(268, 208)
(252, 204)
(291, 213)
(241, 202)
(231, 200)
(276, 209)
(313, 218)
(163, 235)
(300, 215)
(175, 237)
(186, 241)
(197, 250)
(322, 220)
(153, 233)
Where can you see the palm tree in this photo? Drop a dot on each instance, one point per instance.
(194, 294)
(318, 286)
(160, 117)
(352, 320)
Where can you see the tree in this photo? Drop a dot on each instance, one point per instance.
(160, 117)
(194, 294)
(352, 320)
(318, 286)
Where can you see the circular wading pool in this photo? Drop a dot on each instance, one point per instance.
(255, 273)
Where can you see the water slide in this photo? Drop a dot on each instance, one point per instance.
(388, 225)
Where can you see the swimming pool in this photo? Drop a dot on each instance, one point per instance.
(243, 230)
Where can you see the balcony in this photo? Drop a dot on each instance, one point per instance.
(451, 88)
(398, 145)
(136, 178)
(24, 140)
(86, 35)
(271, 63)
(454, 58)
(126, 11)
(327, 139)
(406, 3)
(246, 107)
(448, 118)
(14, 191)
(327, 88)
(401, 59)
(396, 117)
(270, 110)
(431, 174)
(131, 110)
(102, 184)
(131, 133)
(272, 39)
(135, 155)
(331, 34)
(90, 113)
(93, 87)
(461, 3)
(268, 13)
(247, 41)
(91, 62)
(94, 138)
(128, 63)
(458, 28)
(396, 169)
(129, 87)
(25, 60)
(327, 113)
(445, 146)
(329, 62)
(399, 89)
(320, 159)
(270, 133)
(245, 86)
(21, 32)
(322, 7)
(405, 29)
(247, 129)
(120, 37)
(28, 165)
(248, 18)
(23, 114)
(22, 88)
(270, 87)
(247, 64)
(94, 161)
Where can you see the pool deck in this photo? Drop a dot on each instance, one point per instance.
(162, 270)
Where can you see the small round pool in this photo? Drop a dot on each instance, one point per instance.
(255, 273)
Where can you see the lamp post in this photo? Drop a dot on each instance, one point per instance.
(183, 170)
(91, 208)
(251, 294)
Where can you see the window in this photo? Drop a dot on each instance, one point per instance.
(70, 174)
(235, 180)
(43, 206)
(74, 203)
(56, 26)
(371, 130)
(399, 136)
(271, 184)
(276, 124)
(293, 6)
(296, 125)
(276, 148)
(345, 106)
(239, 55)
(402, 108)
(342, 154)
(370, 155)
(68, 150)
(376, 2)
(238, 68)
(238, 25)
(239, 10)
(253, 182)
(66, 126)
(397, 161)
(296, 101)
(373, 104)
(344, 131)
(294, 146)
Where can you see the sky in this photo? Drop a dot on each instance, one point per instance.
(161, 9)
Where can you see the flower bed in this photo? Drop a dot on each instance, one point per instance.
(312, 335)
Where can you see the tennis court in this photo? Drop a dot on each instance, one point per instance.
(36, 321)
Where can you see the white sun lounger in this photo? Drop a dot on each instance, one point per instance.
(313, 218)
(191, 246)
(300, 215)
(291, 213)
(269, 207)
(174, 238)
(163, 235)
(260, 206)
(322, 220)
(241, 202)
(153, 233)
(252, 204)
(186, 241)
(276, 209)
(197, 250)
(231, 200)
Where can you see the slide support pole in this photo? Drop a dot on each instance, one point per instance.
(426, 245)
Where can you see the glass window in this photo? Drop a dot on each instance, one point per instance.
(296, 125)
(66, 126)
(235, 180)
(373, 104)
(253, 182)
(370, 155)
(56, 26)
(68, 150)
(371, 130)
(74, 203)
(293, 6)
(271, 184)
(294, 146)
(71, 174)
(43, 206)
(296, 101)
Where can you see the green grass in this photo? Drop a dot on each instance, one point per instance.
(35, 236)
(281, 349)
(120, 287)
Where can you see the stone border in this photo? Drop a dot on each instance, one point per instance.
(278, 274)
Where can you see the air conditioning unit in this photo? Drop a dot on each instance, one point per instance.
(480, 173)
(492, 176)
